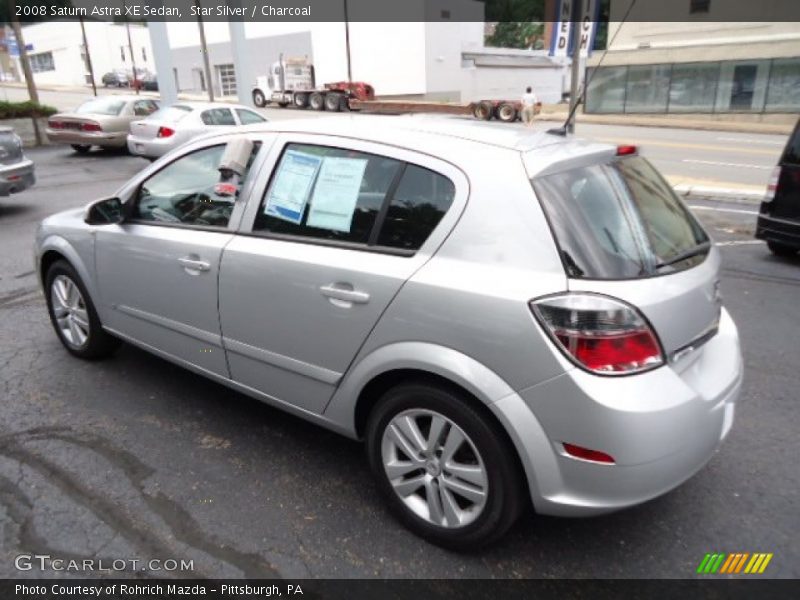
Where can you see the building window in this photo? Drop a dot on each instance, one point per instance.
(144, 54)
(226, 77)
(699, 6)
(42, 62)
(783, 93)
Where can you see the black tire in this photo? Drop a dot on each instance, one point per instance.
(483, 111)
(81, 148)
(506, 484)
(283, 104)
(507, 113)
(301, 100)
(259, 99)
(99, 343)
(333, 102)
(781, 250)
(316, 101)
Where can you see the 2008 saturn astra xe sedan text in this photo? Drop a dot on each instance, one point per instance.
(505, 317)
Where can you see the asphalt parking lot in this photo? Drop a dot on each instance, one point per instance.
(134, 458)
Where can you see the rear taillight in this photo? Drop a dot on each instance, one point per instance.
(772, 185)
(55, 124)
(600, 334)
(90, 127)
(626, 150)
(164, 132)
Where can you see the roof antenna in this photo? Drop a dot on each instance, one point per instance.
(562, 131)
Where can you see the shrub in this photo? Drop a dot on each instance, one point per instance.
(18, 110)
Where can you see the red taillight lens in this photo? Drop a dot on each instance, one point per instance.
(626, 150)
(587, 454)
(164, 132)
(772, 185)
(90, 127)
(55, 124)
(601, 334)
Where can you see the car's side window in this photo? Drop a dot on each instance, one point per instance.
(218, 116)
(183, 192)
(248, 117)
(416, 207)
(143, 108)
(327, 193)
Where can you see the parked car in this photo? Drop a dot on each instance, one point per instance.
(548, 329)
(102, 121)
(116, 79)
(149, 84)
(174, 125)
(17, 172)
(779, 216)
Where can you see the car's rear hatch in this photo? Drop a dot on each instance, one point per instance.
(785, 203)
(148, 129)
(621, 231)
(10, 147)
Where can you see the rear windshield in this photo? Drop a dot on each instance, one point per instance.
(620, 220)
(171, 114)
(791, 156)
(101, 106)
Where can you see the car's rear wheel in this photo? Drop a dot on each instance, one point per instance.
(316, 101)
(445, 470)
(73, 314)
(81, 148)
(781, 250)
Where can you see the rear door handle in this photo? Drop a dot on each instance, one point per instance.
(337, 292)
(194, 264)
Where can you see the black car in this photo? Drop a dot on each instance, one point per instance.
(115, 79)
(779, 216)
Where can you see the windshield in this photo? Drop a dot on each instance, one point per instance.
(101, 106)
(171, 114)
(620, 220)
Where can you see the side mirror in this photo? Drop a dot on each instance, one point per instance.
(104, 212)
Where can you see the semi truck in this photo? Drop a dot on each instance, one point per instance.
(291, 82)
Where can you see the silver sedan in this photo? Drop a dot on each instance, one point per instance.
(548, 330)
(174, 125)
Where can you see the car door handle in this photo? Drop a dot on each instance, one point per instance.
(338, 292)
(194, 264)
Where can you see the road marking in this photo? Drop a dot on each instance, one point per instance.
(739, 243)
(646, 143)
(727, 164)
(752, 141)
(728, 210)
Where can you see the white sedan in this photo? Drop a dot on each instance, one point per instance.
(174, 125)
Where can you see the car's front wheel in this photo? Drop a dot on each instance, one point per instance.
(73, 314)
(781, 250)
(445, 469)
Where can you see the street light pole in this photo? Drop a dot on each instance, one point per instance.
(204, 51)
(347, 43)
(130, 47)
(577, 11)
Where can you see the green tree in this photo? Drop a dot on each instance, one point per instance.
(517, 35)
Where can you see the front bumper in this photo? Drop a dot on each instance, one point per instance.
(661, 427)
(104, 139)
(782, 231)
(16, 177)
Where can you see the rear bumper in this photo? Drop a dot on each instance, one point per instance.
(661, 427)
(16, 177)
(150, 148)
(104, 139)
(782, 231)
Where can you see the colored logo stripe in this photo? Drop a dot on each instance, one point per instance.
(733, 563)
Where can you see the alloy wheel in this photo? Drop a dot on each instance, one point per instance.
(69, 309)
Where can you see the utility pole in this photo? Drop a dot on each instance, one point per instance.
(575, 18)
(204, 50)
(88, 56)
(23, 54)
(130, 47)
(347, 43)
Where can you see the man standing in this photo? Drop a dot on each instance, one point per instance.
(529, 101)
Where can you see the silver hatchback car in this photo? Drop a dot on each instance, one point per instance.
(504, 316)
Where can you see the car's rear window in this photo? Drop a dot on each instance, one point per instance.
(171, 114)
(101, 106)
(791, 155)
(619, 220)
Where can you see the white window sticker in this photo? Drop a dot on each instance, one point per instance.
(336, 193)
(289, 192)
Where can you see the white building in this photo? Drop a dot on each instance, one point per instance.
(58, 56)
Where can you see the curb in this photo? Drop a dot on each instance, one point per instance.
(743, 196)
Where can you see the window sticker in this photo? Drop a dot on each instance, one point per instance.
(288, 194)
(336, 193)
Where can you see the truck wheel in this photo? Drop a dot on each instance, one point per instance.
(259, 99)
(316, 101)
(333, 102)
(507, 113)
(483, 110)
(301, 100)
